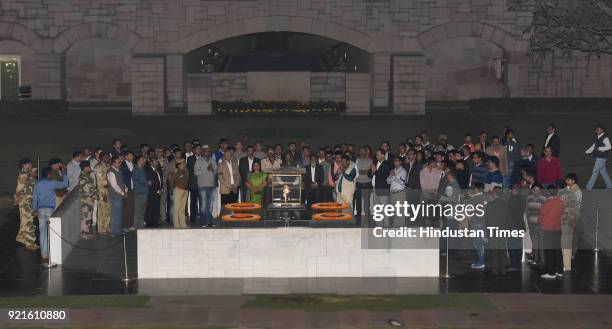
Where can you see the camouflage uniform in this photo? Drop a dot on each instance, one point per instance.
(23, 198)
(89, 195)
(104, 207)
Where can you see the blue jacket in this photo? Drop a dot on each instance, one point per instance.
(43, 195)
(141, 184)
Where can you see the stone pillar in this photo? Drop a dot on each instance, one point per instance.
(409, 84)
(175, 81)
(49, 79)
(199, 94)
(148, 85)
(381, 78)
(358, 93)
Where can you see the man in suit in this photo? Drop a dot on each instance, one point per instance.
(229, 177)
(127, 167)
(155, 178)
(552, 140)
(379, 171)
(312, 181)
(194, 195)
(245, 167)
(413, 178)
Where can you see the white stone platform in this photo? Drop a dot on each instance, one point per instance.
(277, 253)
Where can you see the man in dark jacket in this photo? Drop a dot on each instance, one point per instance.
(413, 178)
(313, 179)
(127, 166)
(155, 179)
(379, 171)
(245, 167)
(552, 140)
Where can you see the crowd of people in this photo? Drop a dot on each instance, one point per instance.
(122, 188)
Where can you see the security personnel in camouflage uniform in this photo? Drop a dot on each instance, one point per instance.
(23, 198)
(89, 194)
(104, 207)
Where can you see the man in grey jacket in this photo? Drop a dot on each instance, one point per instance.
(205, 170)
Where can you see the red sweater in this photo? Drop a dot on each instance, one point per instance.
(550, 214)
(549, 171)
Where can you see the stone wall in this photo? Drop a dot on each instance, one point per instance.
(148, 85)
(328, 86)
(227, 87)
(384, 28)
(278, 253)
(409, 80)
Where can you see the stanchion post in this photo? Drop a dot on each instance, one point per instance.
(446, 275)
(596, 250)
(126, 278)
(49, 265)
(38, 167)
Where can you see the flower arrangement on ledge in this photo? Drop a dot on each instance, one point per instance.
(278, 108)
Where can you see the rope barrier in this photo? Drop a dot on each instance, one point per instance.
(83, 248)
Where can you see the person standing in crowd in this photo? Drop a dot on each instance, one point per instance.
(334, 169)
(116, 148)
(535, 199)
(223, 145)
(271, 162)
(289, 161)
(397, 186)
(257, 181)
(496, 215)
(496, 149)
(549, 168)
(104, 207)
(43, 203)
(73, 170)
(180, 187)
(88, 190)
(430, 180)
(326, 188)
(600, 150)
(127, 168)
(96, 158)
(194, 194)
(141, 190)
(552, 140)
(205, 170)
(494, 177)
(521, 165)
(239, 152)
(413, 180)
(385, 146)
(363, 183)
(549, 220)
(513, 154)
(259, 152)
(345, 187)
(312, 181)
(476, 196)
(571, 196)
(245, 167)
(23, 198)
(516, 220)
(154, 192)
(57, 174)
(479, 169)
(379, 171)
(117, 193)
(229, 178)
(462, 173)
(188, 148)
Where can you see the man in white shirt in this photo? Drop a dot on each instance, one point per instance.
(397, 187)
(600, 149)
(73, 170)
